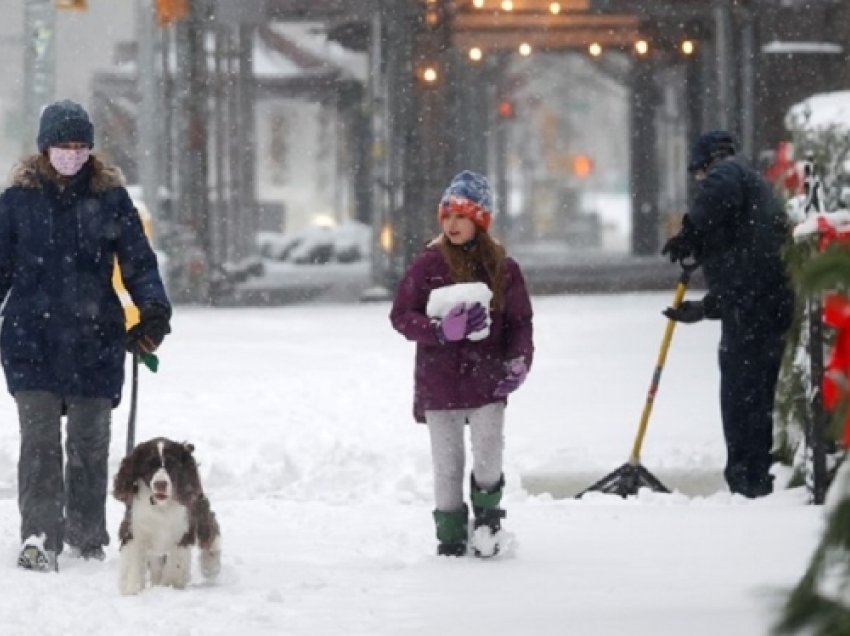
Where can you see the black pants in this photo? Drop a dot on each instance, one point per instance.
(750, 355)
(70, 510)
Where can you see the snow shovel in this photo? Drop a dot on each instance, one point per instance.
(632, 476)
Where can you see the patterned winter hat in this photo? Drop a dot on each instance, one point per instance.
(64, 122)
(470, 195)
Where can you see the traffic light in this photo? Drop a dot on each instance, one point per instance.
(505, 109)
(74, 5)
(582, 166)
(169, 11)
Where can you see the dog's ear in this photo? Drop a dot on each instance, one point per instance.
(124, 487)
(189, 487)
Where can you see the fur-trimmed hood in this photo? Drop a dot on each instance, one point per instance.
(29, 173)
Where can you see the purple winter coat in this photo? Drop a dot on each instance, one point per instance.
(464, 374)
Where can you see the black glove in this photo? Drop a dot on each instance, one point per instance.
(688, 312)
(684, 244)
(678, 248)
(154, 323)
(711, 306)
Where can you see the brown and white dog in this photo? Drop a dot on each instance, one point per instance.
(167, 512)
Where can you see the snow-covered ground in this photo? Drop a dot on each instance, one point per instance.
(321, 482)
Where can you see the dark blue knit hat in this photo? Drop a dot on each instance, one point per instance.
(710, 146)
(64, 122)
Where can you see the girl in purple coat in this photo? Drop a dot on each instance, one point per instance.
(459, 379)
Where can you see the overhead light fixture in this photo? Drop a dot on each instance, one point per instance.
(507, 5)
(476, 54)
(595, 49)
(427, 74)
(688, 47)
(525, 49)
(642, 47)
(555, 8)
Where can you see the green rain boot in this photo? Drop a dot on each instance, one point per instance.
(488, 517)
(452, 531)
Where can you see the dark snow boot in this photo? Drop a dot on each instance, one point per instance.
(452, 531)
(488, 517)
(88, 553)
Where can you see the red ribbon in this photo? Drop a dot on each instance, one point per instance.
(836, 314)
(828, 234)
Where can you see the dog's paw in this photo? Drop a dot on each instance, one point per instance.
(130, 588)
(210, 562)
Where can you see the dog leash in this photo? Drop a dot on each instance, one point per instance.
(134, 395)
(151, 362)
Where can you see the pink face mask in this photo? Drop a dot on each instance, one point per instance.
(68, 161)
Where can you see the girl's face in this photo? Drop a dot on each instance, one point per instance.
(458, 228)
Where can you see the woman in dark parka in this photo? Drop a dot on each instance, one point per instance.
(459, 380)
(64, 220)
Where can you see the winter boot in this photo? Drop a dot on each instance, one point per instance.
(452, 531)
(33, 556)
(488, 517)
(88, 553)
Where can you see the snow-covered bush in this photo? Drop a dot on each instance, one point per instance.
(820, 129)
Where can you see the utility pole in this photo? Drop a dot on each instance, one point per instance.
(643, 164)
(39, 65)
(190, 149)
(148, 138)
(723, 46)
(748, 85)
(426, 161)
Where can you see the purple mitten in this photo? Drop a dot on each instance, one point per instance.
(454, 324)
(517, 370)
(476, 318)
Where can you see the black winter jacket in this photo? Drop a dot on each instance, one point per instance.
(63, 324)
(739, 229)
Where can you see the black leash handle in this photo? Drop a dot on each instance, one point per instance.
(134, 399)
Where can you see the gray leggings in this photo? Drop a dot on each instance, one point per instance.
(448, 453)
(69, 509)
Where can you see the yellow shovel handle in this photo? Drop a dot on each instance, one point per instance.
(634, 458)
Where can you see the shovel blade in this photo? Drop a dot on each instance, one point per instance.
(627, 480)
